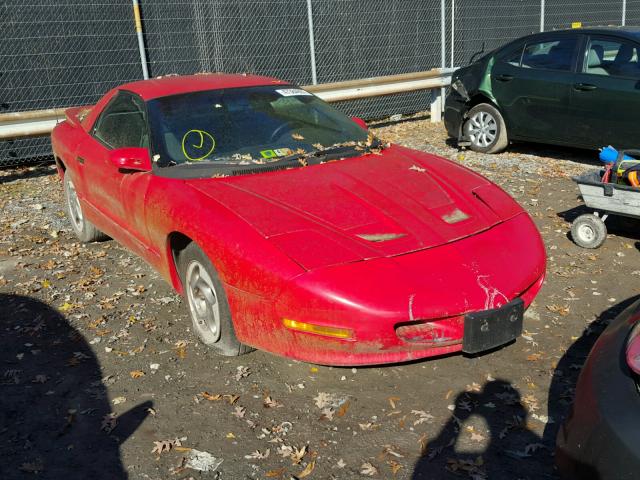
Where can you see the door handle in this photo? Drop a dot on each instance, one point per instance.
(504, 77)
(584, 87)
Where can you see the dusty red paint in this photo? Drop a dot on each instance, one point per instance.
(286, 243)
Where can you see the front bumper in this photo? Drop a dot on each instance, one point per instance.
(455, 109)
(601, 437)
(433, 288)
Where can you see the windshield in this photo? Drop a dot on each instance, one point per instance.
(255, 125)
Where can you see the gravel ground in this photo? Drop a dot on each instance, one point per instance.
(99, 368)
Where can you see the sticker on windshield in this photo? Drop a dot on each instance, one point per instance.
(292, 92)
(275, 153)
(197, 145)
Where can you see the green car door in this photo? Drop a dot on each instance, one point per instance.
(605, 97)
(532, 86)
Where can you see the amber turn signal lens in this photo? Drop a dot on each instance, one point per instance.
(317, 329)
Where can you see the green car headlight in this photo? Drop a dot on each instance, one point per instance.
(459, 87)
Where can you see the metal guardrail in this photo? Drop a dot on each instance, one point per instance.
(35, 123)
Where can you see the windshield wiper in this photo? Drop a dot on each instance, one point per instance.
(338, 149)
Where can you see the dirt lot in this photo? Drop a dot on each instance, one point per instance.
(97, 361)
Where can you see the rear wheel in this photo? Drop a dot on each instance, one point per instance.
(83, 228)
(485, 129)
(208, 306)
(588, 231)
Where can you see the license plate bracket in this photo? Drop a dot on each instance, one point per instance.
(491, 328)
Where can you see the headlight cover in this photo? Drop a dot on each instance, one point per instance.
(459, 87)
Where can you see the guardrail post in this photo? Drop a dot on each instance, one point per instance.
(436, 106)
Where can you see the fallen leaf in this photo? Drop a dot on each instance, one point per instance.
(239, 412)
(395, 467)
(327, 414)
(307, 471)
(297, 454)
(422, 416)
(392, 402)
(388, 450)
(276, 473)
(136, 374)
(109, 422)
(368, 426)
(269, 402)
(368, 469)
(258, 455)
(242, 372)
(211, 398)
(165, 446)
(118, 400)
(343, 409)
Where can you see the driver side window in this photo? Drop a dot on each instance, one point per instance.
(123, 123)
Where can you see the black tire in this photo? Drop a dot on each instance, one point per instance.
(83, 228)
(200, 287)
(485, 129)
(588, 231)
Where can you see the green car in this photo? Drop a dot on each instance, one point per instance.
(577, 87)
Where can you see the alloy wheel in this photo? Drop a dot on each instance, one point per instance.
(203, 302)
(482, 129)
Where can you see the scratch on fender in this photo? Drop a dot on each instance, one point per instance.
(492, 293)
(411, 297)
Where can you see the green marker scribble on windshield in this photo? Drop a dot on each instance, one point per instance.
(201, 136)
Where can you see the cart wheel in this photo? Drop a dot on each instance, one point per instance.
(588, 231)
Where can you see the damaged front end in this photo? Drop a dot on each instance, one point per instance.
(470, 85)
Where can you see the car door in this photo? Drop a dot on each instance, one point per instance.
(605, 97)
(532, 86)
(117, 196)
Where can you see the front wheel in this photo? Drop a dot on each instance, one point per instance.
(485, 129)
(208, 306)
(588, 231)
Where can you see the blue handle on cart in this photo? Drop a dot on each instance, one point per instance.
(610, 155)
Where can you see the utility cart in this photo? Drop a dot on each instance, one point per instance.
(589, 230)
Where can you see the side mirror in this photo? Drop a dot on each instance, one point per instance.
(132, 159)
(360, 122)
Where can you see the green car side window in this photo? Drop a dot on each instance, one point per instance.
(611, 57)
(514, 57)
(550, 54)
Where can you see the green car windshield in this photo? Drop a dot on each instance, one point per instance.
(250, 125)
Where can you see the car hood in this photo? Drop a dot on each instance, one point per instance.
(363, 207)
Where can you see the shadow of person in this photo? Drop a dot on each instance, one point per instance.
(565, 376)
(461, 447)
(55, 417)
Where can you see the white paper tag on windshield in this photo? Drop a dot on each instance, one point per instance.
(292, 92)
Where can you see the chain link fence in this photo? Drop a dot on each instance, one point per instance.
(60, 53)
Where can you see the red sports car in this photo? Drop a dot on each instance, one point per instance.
(288, 227)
